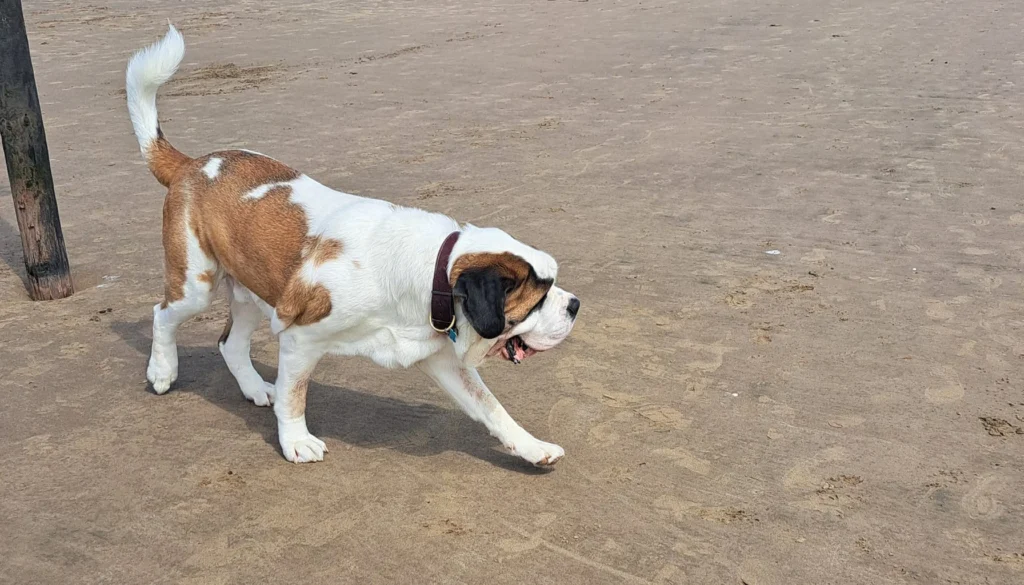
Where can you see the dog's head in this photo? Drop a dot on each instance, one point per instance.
(507, 301)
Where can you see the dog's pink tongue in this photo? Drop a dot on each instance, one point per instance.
(520, 352)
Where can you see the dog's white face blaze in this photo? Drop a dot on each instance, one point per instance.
(550, 325)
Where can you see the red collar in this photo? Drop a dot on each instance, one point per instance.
(442, 303)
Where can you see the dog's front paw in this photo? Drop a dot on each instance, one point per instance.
(304, 449)
(539, 453)
(161, 373)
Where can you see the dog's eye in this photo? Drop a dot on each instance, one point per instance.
(509, 284)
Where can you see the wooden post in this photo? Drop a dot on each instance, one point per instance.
(28, 162)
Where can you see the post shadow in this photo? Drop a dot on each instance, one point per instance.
(10, 249)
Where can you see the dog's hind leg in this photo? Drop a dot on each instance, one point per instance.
(190, 277)
(234, 346)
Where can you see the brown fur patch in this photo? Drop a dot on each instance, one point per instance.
(207, 277)
(319, 250)
(164, 160)
(303, 303)
(528, 289)
(175, 245)
(258, 242)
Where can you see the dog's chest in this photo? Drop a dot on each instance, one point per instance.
(389, 347)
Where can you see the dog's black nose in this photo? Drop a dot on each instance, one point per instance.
(573, 307)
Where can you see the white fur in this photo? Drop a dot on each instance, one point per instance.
(464, 385)
(212, 167)
(260, 191)
(163, 362)
(148, 70)
(380, 290)
(245, 317)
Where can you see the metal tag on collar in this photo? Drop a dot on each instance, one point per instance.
(452, 334)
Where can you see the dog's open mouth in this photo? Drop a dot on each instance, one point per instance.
(515, 350)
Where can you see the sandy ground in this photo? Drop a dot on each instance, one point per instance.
(848, 411)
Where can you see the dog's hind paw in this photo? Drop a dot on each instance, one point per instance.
(160, 374)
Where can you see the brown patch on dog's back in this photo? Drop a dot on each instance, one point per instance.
(260, 242)
(528, 289)
(257, 241)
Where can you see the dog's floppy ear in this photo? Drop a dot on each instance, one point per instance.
(482, 291)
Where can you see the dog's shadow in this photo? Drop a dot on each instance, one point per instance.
(350, 416)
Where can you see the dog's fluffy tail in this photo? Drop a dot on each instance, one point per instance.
(147, 71)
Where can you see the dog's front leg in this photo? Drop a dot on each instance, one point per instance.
(295, 366)
(469, 391)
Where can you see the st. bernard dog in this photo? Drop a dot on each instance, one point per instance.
(337, 274)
